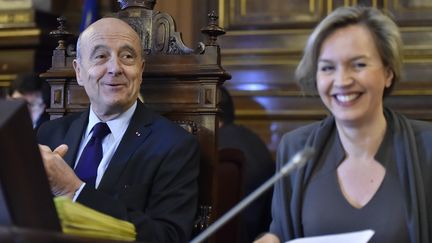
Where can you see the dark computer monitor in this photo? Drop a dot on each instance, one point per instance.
(25, 196)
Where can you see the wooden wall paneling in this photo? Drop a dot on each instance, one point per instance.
(263, 46)
(417, 54)
(24, 42)
(253, 14)
(190, 16)
(410, 12)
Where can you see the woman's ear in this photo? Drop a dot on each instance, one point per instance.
(389, 78)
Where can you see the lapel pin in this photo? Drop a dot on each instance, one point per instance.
(138, 134)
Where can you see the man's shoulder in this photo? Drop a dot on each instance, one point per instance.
(64, 121)
(169, 135)
(57, 127)
(166, 127)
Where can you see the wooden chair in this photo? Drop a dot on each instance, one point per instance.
(230, 188)
(179, 82)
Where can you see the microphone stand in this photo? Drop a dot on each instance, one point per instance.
(297, 161)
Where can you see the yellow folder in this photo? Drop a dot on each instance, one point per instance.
(80, 220)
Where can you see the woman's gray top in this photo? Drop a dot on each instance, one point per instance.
(326, 210)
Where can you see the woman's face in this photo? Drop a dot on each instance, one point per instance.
(351, 76)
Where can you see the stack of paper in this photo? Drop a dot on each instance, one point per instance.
(352, 237)
(77, 219)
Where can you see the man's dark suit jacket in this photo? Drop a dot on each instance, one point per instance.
(151, 180)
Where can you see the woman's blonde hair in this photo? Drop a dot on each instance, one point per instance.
(384, 30)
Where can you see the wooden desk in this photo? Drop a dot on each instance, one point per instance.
(24, 235)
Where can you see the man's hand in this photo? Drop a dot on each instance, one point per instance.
(268, 238)
(61, 177)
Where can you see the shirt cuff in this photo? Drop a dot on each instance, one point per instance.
(77, 192)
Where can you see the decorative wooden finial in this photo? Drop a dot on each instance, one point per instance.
(61, 34)
(60, 57)
(213, 30)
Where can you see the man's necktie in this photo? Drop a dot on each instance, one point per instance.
(91, 156)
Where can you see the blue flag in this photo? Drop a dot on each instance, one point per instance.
(90, 14)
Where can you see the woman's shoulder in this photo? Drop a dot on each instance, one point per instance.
(303, 132)
(398, 120)
(421, 126)
(422, 131)
(296, 139)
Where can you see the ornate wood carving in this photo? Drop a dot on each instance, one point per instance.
(156, 29)
(62, 57)
(189, 126)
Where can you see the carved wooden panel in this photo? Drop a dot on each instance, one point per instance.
(156, 30)
(239, 14)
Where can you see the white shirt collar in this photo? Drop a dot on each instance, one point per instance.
(117, 125)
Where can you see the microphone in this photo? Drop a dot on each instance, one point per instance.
(297, 161)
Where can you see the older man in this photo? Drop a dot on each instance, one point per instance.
(119, 157)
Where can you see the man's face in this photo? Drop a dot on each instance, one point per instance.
(110, 66)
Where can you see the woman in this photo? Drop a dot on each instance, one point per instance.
(372, 168)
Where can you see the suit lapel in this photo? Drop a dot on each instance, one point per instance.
(137, 132)
(73, 137)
